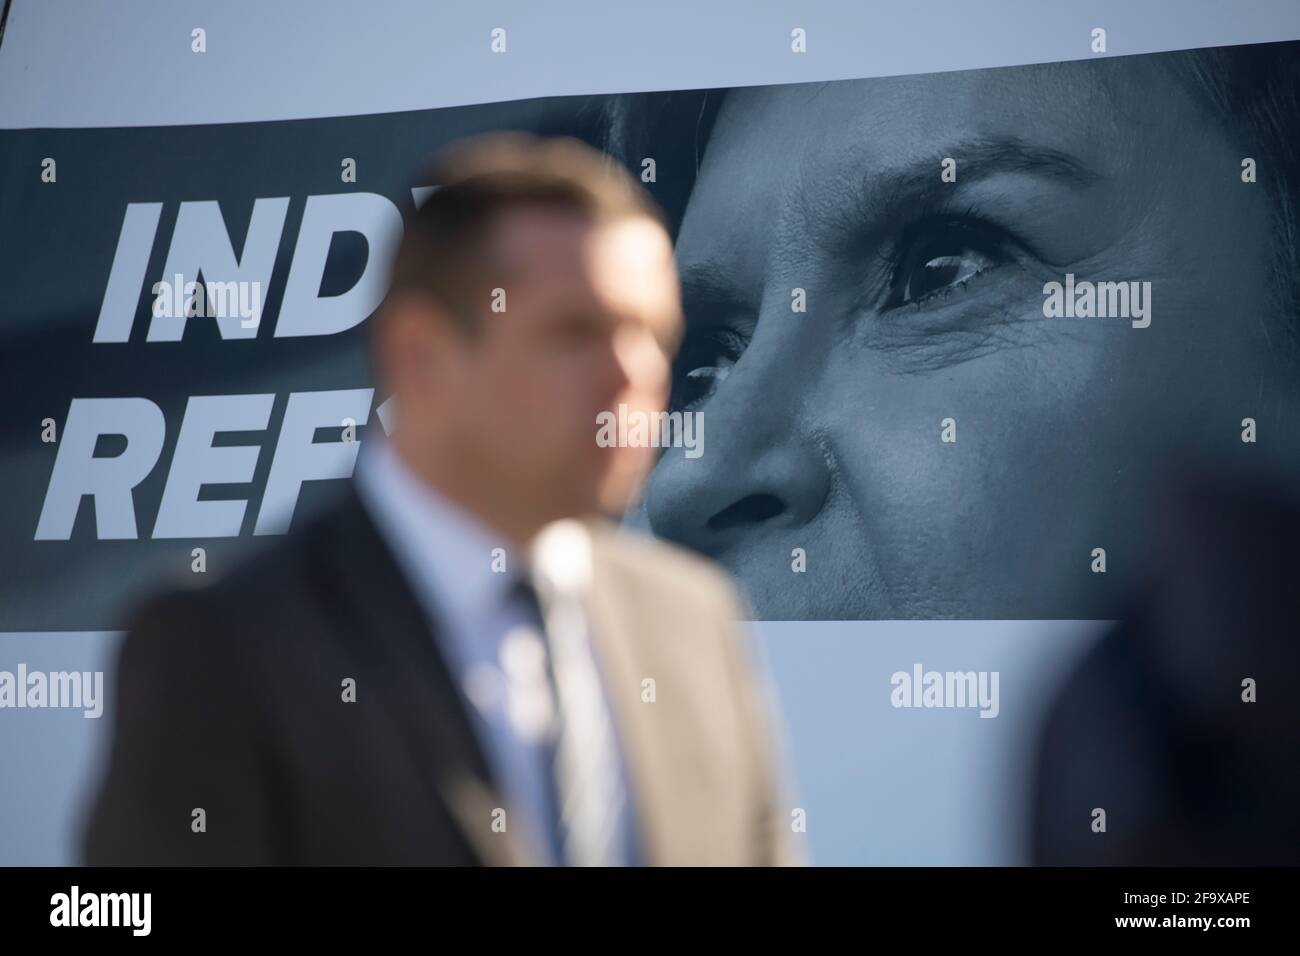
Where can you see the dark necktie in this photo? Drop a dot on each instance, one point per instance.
(589, 805)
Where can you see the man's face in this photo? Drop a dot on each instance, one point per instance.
(588, 313)
(924, 302)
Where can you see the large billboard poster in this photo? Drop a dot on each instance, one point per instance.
(956, 333)
(957, 381)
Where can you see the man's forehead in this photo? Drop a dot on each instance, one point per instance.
(630, 256)
(555, 263)
(522, 238)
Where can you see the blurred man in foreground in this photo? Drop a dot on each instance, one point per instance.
(463, 662)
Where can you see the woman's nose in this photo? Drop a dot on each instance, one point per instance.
(761, 467)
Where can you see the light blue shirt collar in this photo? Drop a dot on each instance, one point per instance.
(446, 552)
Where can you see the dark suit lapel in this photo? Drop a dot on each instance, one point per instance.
(375, 603)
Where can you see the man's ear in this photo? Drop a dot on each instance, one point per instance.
(411, 340)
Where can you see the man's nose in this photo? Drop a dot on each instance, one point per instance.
(760, 469)
(632, 362)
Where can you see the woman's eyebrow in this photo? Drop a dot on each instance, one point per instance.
(1003, 154)
(707, 292)
(981, 158)
(885, 190)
